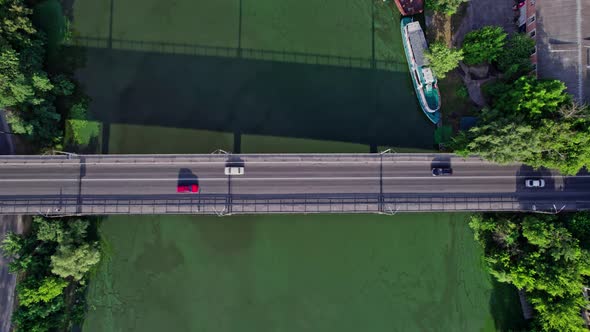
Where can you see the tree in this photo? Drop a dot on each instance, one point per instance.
(443, 59)
(49, 230)
(70, 261)
(40, 316)
(579, 225)
(515, 58)
(45, 291)
(43, 121)
(61, 231)
(17, 27)
(25, 88)
(529, 96)
(12, 244)
(561, 145)
(448, 7)
(484, 45)
(533, 122)
(499, 141)
(63, 86)
(559, 314)
(565, 146)
(538, 254)
(14, 87)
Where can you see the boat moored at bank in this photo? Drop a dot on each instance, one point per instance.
(423, 78)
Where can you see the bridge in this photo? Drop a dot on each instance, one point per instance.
(57, 185)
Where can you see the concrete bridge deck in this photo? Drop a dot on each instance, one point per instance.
(278, 183)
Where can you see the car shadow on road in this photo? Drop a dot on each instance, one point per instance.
(234, 161)
(579, 183)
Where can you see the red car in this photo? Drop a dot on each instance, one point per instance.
(187, 188)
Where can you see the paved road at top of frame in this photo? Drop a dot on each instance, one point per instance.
(87, 175)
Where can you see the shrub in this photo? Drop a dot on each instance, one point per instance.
(81, 129)
(448, 7)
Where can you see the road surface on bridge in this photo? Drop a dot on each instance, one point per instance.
(115, 176)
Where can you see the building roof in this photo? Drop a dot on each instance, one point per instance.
(563, 44)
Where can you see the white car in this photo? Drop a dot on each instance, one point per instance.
(534, 183)
(234, 170)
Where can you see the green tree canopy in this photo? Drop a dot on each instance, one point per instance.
(579, 224)
(71, 261)
(500, 141)
(17, 27)
(561, 145)
(532, 122)
(14, 85)
(565, 146)
(515, 58)
(45, 291)
(12, 244)
(538, 254)
(26, 90)
(558, 314)
(448, 7)
(528, 96)
(484, 45)
(48, 230)
(443, 59)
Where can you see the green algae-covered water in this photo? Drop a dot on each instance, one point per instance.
(193, 76)
(413, 272)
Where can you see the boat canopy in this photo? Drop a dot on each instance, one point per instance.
(418, 43)
(428, 75)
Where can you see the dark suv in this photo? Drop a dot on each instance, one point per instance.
(441, 171)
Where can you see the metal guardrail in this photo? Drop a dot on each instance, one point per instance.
(294, 203)
(172, 158)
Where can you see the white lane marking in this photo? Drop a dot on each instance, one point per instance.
(236, 178)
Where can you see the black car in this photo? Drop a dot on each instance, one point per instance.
(441, 171)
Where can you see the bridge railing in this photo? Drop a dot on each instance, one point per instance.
(296, 203)
(252, 158)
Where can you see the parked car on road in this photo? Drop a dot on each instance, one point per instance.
(441, 171)
(187, 188)
(534, 183)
